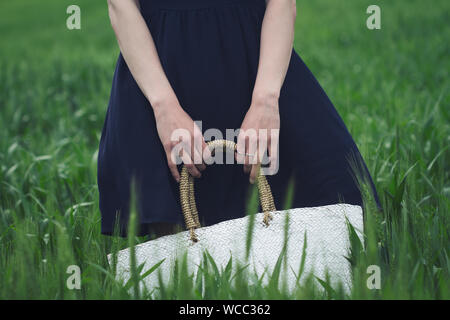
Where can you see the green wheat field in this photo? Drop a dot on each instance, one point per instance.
(391, 87)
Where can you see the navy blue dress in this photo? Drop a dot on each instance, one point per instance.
(209, 50)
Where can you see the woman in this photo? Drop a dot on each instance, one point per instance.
(230, 64)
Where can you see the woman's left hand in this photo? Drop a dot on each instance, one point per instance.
(259, 133)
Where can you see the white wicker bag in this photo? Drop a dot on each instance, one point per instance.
(325, 228)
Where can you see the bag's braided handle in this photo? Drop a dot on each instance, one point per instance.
(187, 196)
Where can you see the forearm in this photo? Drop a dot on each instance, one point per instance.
(277, 37)
(139, 51)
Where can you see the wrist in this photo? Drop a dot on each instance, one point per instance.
(164, 103)
(265, 98)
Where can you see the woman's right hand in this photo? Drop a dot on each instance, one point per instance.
(181, 138)
(139, 51)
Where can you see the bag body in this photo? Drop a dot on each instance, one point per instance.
(324, 228)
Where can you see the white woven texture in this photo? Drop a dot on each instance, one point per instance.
(326, 251)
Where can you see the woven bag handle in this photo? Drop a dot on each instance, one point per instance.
(187, 196)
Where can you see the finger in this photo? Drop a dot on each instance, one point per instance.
(174, 171)
(201, 166)
(172, 167)
(240, 148)
(198, 159)
(188, 158)
(244, 155)
(273, 153)
(206, 153)
(197, 150)
(262, 148)
(254, 173)
(191, 168)
(251, 157)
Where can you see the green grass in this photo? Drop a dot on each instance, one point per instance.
(390, 86)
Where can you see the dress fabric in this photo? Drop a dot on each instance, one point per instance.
(209, 50)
